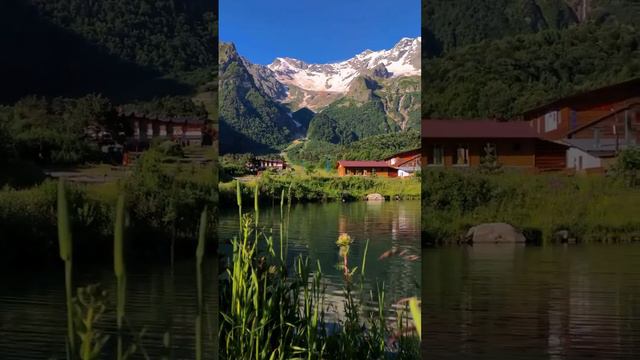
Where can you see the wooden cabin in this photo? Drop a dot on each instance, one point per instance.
(407, 163)
(258, 165)
(596, 124)
(272, 164)
(366, 168)
(463, 143)
(559, 118)
(595, 145)
(147, 127)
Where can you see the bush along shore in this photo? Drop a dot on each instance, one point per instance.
(545, 207)
(273, 307)
(315, 188)
(162, 201)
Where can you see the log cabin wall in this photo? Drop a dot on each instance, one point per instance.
(510, 152)
(550, 156)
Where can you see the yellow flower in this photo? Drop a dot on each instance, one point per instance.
(344, 240)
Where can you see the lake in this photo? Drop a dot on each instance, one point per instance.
(33, 310)
(517, 302)
(314, 229)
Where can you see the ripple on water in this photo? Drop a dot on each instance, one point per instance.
(497, 302)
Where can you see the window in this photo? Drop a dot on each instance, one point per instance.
(516, 147)
(461, 157)
(573, 120)
(551, 121)
(596, 138)
(437, 157)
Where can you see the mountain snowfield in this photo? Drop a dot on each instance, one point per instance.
(264, 108)
(402, 60)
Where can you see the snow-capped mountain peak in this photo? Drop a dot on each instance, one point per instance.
(401, 60)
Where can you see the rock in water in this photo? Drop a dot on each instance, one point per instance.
(375, 197)
(494, 233)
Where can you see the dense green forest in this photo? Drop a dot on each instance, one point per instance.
(498, 58)
(344, 122)
(53, 130)
(376, 147)
(448, 25)
(123, 49)
(250, 121)
(168, 107)
(453, 24)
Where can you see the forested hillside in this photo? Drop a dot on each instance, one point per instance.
(68, 66)
(372, 106)
(452, 24)
(124, 49)
(377, 147)
(489, 65)
(250, 121)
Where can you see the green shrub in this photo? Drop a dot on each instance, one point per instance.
(627, 166)
(591, 208)
(170, 148)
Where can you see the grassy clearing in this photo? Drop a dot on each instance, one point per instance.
(274, 308)
(591, 208)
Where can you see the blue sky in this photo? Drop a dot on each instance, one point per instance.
(316, 31)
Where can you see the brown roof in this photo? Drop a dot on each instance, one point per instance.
(488, 129)
(366, 163)
(603, 95)
(411, 153)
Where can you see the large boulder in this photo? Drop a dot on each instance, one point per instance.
(375, 197)
(494, 233)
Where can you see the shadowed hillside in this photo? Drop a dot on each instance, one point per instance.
(71, 48)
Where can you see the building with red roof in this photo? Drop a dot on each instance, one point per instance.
(596, 124)
(463, 143)
(366, 168)
(403, 164)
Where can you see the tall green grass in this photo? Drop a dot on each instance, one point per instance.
(119, 270)
(66, 254)
(319, 188)
(275, 309)
(202, 235)
(84, 310)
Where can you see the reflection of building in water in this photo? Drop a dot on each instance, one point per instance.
(405, 224)
(342, 224)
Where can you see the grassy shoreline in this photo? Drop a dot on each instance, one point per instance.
(590, 208)
(317, 188)
(161, 203)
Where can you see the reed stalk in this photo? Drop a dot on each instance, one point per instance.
(119, 270)
(282, 227)
(199, 257)
(239, 202)
(66, 254)
(256, 209)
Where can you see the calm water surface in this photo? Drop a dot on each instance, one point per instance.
(516, 302)
(314, 229)
(33, 310)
